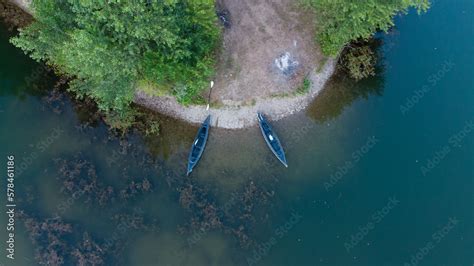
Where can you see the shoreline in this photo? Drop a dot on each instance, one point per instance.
(233, 115)
(238, 117)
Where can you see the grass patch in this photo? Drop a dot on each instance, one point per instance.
(152, 89)
(304, 88)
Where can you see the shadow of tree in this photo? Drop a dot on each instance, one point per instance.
(174, 134)
(21, 76)
(341, 90)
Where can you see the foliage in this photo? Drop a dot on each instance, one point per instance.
(193, 47)
(139, 118)
(304, 88)
(111, 46)
(153, 128)
(342, 21)
(122, 121)
(359, 61)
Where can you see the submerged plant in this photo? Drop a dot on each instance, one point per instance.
(359, 61)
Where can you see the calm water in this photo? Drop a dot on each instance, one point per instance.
(381, 172)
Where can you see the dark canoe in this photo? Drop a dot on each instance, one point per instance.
(271, 138)
(199, 144)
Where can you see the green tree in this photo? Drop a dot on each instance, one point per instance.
(343, 21)
(108, 47)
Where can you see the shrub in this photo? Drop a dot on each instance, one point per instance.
(304, 88)
(359, 61)
(343, 21)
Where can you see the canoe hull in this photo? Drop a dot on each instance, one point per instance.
(271, 139)
(199, 144)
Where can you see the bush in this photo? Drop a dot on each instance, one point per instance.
(359, 61)
(110, 46)
(343, 21)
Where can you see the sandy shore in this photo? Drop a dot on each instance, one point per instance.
(268, 50)
(235, 117)
(259, 48)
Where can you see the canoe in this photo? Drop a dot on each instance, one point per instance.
(272, 139)
(199, 144)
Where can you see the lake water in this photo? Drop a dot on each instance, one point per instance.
(380, 172)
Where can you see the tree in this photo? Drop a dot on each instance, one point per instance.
(343, 21)
(108, 47)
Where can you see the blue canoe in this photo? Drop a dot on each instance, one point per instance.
(271, 138)
(199, 144)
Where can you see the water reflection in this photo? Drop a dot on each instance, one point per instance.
(107, 198)
(20, 76)
(174, 137)
(97, 197)
(341, 90)
(135, 189)
(239, 196)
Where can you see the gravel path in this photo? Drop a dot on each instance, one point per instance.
(235, 117)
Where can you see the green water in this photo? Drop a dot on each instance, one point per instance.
(377, 169)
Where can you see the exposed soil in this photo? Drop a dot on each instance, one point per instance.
(237, 116)
(268, 50)
(257, 33)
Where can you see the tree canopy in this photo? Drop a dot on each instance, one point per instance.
(343, 21)
(109, 47)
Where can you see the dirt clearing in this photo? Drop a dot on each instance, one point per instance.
(268, 49)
